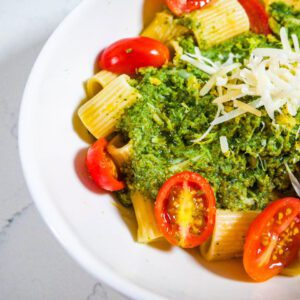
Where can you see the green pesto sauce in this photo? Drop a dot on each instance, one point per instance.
(241, 46)
(283, 15)
(171, 113)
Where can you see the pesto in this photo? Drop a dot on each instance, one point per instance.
(241, 46)
(171, 113)
(283, 15)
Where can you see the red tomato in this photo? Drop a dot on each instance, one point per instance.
(179, 7)
(185, 209)
(273, 239)
(101, 167)
(127, 55)
(258, 17)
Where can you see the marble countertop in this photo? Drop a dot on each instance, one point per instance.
(33, 265)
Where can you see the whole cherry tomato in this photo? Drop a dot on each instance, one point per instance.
(128, 55)
(179, 7)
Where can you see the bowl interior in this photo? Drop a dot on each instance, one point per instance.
(97, 232)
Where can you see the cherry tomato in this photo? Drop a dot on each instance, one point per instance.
(273, 239)
(102, 168)
(127, 55)
(185, 209)
(179, 7)
(258, 17)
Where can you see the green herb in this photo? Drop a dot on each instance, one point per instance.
(283, 15)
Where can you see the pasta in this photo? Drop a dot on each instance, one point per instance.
(222, 20)
(95, 84)
(163, 28)
(229, 234)
(144, 211)
(118, 151)
(100, 114)
(293, 269)
(216, 125)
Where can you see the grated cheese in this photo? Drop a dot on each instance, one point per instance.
(297, 133)
(261, 162)
(285, 40)
(272, 75)
(263, 126)
(296, 43)
(204, 135)
(234, 113)
(231, 95)
(293, 179)
(224, 144)
(247, 108)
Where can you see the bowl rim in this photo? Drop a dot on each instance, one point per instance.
(50, 214)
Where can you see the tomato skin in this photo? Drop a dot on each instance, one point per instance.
(101, 167)
(127, 55)
(259, 263)
(164, 217)
(258, 17)
(179, 7)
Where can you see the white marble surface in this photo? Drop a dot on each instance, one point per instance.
(32, 263)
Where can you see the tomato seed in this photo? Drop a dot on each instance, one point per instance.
(288, 211)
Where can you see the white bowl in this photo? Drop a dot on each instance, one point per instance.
(86, 222)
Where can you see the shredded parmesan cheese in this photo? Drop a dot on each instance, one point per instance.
(248, 108)
(232, 95)
(293, 179)
(224, 144)
(297, 133)
(208, 130)
(296, 43)
(261, 162)
(234, 113)
(270, 75)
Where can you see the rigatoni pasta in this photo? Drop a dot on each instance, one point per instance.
(220, 21)
(293, 269)
(148, 230)
(100, 80)
(229, 235)
(119, 151)
(101, 113)
(164, 28)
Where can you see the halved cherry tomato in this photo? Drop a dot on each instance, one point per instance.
(258, 17)
(179, 7)
(273, 239)
(127, 55)
(185, 209)
(102, 168)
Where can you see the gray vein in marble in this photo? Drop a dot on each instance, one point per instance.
(98, 293)
(13, 218)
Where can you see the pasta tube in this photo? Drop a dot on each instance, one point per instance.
(163, 28)
(148, 230)
(229, 235)
(101, 113)
(118, 151)
(220, 21)
(95, 84)
(293, 269)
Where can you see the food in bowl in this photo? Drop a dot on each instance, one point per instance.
(197, 124)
